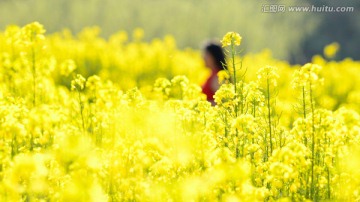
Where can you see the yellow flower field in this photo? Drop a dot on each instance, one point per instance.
(83, 118)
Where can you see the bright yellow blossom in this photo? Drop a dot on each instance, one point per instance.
(223, 76)
(231, 38)
(331, 50)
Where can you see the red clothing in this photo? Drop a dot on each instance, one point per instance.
(207, 89)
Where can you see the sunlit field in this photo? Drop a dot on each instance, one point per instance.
(84, 118)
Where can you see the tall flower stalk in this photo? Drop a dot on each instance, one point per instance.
(32, 34)
(78, 85)
(232, 40)
(267, 77)
(307, 80)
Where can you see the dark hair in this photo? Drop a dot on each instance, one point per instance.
(215, 50)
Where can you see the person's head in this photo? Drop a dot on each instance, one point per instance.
(214, 56)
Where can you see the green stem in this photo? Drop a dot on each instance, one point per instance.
(304, 104)
(254, 108)
(33, 74)
(312, 143)
(233, 64)
(304, 110)
(266, 147)
(328, 184)
(237, 150)
(226, 132)
(13, 147)
(81, 111)
(269, 114)
(234, 75)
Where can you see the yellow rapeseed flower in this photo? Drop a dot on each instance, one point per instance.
(231, 38)
(223, 76)
(331, 50)
(32, 33)
(78, 83)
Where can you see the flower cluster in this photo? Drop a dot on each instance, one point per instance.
(307, 76)
(231, 38)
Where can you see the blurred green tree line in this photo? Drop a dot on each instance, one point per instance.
(294, 36)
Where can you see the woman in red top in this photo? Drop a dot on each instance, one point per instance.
(214, 59)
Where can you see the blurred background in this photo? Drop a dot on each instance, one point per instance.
(292, 36)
